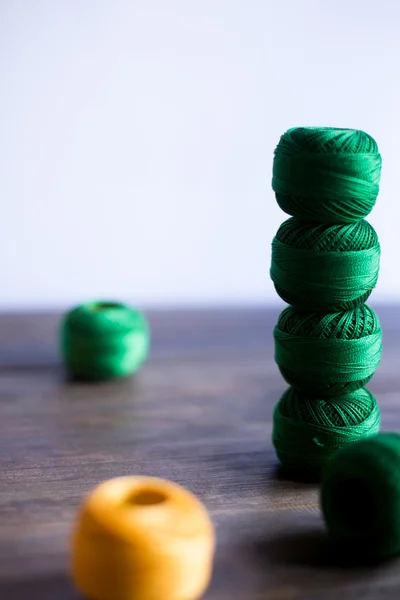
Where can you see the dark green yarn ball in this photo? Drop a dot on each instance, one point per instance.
(323, 267)
(328, 354)
(104, 340)
(360, 496)
(307, 430)
(326, 174)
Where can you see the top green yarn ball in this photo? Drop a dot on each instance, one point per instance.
(360, 496)
(104, 340)
(326, 174)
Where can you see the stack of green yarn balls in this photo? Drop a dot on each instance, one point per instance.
(325, 264)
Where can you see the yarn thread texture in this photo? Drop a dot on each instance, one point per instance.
(308, 429)
(328, 354)
(360, 496)
(325, 264)
(104, 340)
(142, 538)
(325, 267)
(326, 174)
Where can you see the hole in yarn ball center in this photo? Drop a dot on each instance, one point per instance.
(146, 498)
(353, 504)
(102, 306)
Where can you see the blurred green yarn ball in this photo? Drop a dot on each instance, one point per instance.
(360, 496)
(326, 174)
(328, 354)
(308, 430)
(323, 267)
(104, 340)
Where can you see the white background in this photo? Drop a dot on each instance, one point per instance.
(136, 140)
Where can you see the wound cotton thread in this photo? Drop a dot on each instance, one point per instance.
(323, 267)
(326, 174)
(325, 263)
(142, 538)
(328, 354)
(360, 497)
(104, 340)
(307, 430)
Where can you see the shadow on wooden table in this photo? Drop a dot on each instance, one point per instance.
(312, 548)
(306, 478)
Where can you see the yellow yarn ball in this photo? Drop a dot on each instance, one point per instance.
(142, 538)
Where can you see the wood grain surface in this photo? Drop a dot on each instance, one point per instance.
(198, 413)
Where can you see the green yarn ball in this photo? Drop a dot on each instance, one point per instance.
(326, 174)
(104, 340)
(323, 267)
(328, 354)
(308, 430)
(360, 496)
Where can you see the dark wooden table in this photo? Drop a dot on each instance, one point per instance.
(199, 413)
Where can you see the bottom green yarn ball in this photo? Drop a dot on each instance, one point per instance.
(308, 430)
(360, 496)
(104, 340)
